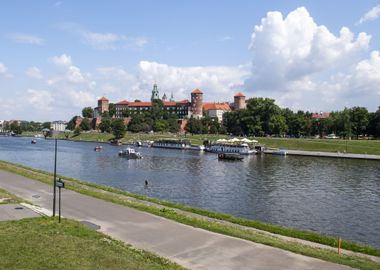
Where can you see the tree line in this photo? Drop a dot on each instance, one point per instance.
(263, 117)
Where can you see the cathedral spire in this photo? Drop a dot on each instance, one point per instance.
(155, 93)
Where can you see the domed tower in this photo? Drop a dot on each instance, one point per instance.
(197, 103)
(239, 101)
(103, 105)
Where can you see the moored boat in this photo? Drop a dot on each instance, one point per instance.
(172, 144)
(130, 153)
(98, 148)
(241, 148)
(34, 141)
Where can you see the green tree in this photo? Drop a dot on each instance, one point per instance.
(112, 110)
(173, 124)
(15, 128)
(161, 125)
(71, 123)
(87, 112)
(86, 124)
(157, 109)
(118, 128)
(46, 125)
(359, 120)
(105, 125)
(77, 131)
(374, 123)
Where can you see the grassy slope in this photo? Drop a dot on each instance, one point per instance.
(43, 243)
(85, 188)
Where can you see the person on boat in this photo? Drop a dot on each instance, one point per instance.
(146, 183)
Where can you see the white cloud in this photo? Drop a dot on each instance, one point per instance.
(26, 39)
(61, 61)
(104, 41)
(34, 72)
(81, 98)
(3, 68)
(40, 99)
(99, 40)
(304, 66)
(371, 15)
(218, 83)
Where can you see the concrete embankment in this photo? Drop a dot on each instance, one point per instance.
(326, 154)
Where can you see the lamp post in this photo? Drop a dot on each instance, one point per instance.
(46, 132)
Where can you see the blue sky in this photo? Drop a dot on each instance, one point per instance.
(58, 56)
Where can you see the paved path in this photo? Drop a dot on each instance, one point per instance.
(191, 247)
(15, 211)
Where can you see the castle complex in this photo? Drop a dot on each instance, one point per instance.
(183, 109)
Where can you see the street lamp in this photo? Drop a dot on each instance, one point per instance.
(46, 132)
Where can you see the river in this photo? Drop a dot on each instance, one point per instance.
(336, 197)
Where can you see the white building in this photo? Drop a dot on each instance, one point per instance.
(58, 125)
(216, 110)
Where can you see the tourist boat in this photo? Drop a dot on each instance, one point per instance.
(241, 148)
(130, 153)
(144, 143)
(230, 156)
(98, 148)
(34, 141)
(172, 144)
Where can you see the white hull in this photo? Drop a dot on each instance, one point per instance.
(225, 148)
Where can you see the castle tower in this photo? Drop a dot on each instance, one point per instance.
(155, 93)
(103, 105)
(171, 98)
(197, 103)
(239, 101)
(164, 97)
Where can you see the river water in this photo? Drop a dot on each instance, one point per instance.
(336, 197)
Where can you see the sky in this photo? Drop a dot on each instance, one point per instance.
(57, 57)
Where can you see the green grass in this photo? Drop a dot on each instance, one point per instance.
(43, 243)
(6, 197)
(124, 198)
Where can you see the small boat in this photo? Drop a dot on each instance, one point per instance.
(34, 141)
(98, 148)
(230, 156)
(130, 153)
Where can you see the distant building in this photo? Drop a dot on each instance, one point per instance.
(103, 106)
(320, 115)
(216, 110)
(239, 101)
(58, 125)
(197, 103)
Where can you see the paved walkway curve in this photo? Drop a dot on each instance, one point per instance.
(191, 247)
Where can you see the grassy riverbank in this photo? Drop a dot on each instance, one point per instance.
(43, 243)
(322, 145)
(220, 223)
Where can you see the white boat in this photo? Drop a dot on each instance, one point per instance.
(172, 144)
(242, 148)
(130, 153)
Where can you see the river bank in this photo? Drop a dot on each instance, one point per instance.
(175, 212)
(370, 147)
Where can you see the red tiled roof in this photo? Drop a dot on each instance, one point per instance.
(216, 106)
(104, 99)
(197, 91)
(321, 115)
(140, 104)
(123, 102)
(239, 94)
(169, 103)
